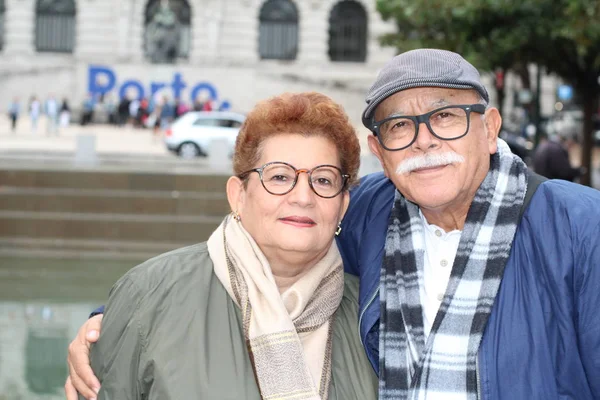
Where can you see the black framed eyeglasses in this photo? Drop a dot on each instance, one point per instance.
(279, 178)
(445, 123)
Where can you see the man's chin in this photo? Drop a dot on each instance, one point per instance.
(431, 198)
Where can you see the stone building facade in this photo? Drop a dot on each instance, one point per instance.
(223, 52)
(224, 55)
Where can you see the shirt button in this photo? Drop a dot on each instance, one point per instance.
(444, 263)
(438, 233)
(440, 296)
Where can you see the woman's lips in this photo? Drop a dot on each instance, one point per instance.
(302, 222)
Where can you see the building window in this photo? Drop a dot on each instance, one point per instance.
(278, 34)
(348, 32)
(55, 25)
(2, 12)
(167, 33)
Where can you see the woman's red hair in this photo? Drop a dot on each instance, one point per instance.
(307, 114)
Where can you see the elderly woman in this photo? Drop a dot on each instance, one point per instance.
(262, 310)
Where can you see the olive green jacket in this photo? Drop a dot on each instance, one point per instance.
(171, 331)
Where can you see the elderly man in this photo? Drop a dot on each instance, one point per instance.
(475, 300)
(472, 285)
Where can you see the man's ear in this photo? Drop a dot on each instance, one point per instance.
(377, 150)
(236, 194)
(493, 123)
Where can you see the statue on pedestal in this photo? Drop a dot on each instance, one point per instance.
(163, 32)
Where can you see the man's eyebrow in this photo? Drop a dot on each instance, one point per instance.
(434, 104)
(396, 113)
(440, 103)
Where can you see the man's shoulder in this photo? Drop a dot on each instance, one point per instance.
(558, 205)
(571, 197)
(372, 187)
(373, 181)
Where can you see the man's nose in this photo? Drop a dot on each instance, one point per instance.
(425, 139)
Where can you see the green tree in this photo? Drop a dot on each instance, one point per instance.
(563, 36)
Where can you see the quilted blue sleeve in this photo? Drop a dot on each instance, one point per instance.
(586, 238)
(99, 310)
(369, 204)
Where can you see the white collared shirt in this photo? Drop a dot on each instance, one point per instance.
(440, 250)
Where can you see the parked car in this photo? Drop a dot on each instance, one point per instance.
(191, 135)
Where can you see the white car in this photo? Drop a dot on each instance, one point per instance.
(193, 134)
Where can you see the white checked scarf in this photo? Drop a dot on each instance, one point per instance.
(445, 366)
(288, 334)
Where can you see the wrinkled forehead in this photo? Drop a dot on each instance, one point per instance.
(420, 100)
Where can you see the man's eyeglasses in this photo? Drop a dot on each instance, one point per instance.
(445, 123)
(279, 178)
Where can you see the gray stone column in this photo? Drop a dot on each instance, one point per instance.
(19, 27)
(313, 32)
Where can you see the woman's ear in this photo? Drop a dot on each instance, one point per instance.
(236, 194)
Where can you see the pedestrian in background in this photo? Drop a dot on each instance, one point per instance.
(143, 113)
(65, 114)
(134, 107)
(180, 108)
(551, 158)
(110, 107)
(167, 113)
(51, 110)
(14, 109)
(88, 110)
(34, 112)
(123, 110)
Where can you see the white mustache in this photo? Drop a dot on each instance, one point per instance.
(429, 160)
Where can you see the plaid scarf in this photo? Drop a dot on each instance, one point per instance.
(289, 334)
(445, 365)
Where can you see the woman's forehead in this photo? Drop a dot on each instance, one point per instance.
(301, 151)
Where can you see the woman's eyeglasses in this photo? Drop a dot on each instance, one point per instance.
(279, 178)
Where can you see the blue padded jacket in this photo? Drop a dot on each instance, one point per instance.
(542, 340)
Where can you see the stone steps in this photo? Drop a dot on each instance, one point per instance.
(110, 180)
(113, 201)
(83, 249)
(136, 227)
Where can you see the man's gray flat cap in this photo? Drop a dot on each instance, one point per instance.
(422, 68)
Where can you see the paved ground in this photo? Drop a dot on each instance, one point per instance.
(132, 148)
(116, 147)
(109, 139)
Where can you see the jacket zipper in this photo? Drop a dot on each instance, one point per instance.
(371, 299)
(479, 397)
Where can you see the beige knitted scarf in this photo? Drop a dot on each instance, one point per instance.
(288, 334)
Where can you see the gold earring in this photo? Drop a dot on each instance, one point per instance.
(339, 229)
(236, 216)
